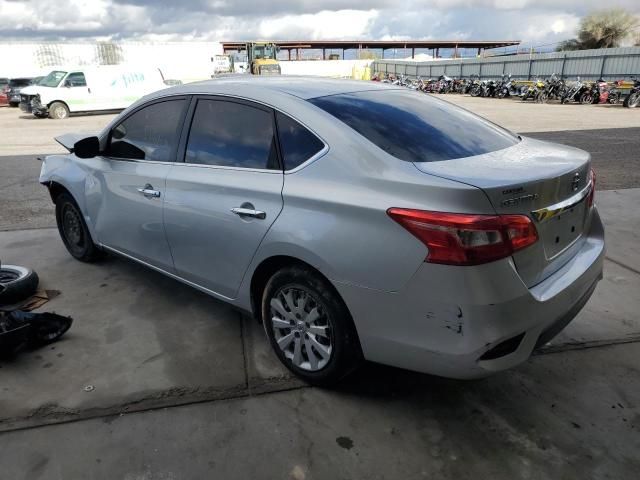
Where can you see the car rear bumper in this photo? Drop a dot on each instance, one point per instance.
(466, 322)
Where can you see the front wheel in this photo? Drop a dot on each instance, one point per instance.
(58, 110)
(632, 100)
(309, 326)
(542, 97)
(73, 230)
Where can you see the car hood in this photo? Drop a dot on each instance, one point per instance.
(34, 90)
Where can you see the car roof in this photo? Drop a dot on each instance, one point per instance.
(301, 87)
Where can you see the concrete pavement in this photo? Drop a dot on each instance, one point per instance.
(141, 340)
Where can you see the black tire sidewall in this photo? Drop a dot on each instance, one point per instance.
(89, 252)
(19, 289)
(345, 345)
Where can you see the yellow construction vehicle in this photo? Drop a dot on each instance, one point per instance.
(262, 58)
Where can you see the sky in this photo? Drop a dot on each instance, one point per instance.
(535, 22)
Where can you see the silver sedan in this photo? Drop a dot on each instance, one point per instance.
(354, 220)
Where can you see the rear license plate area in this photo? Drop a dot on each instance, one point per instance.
(562, 230)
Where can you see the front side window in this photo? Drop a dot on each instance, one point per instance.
(415, 127)
(151, 133)
(76, 79)
(297, 143)
(232, 134)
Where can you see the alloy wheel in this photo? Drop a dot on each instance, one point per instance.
(301, 327)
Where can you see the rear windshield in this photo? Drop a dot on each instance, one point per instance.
(415, 127)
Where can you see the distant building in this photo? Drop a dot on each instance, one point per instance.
(186, 61)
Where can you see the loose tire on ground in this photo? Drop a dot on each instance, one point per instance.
(73, 230)
(16, 284)
(58, 111)
(301, 311)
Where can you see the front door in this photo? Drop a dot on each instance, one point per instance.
(127, 195)
(77, 93)
(221, 201)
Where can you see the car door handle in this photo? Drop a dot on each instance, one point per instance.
(149, 192)
(249, 212)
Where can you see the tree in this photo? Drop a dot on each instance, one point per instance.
(602, 29)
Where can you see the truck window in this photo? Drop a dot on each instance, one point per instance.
(76, 79)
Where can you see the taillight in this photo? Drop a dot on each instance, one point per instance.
(592, 193)
(463, 239)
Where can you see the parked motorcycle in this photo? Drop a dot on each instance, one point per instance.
(506, 87)
(554, 88)
(474, 87)
(633, 99)
(598, 93)
(574, 92)
(533, 90)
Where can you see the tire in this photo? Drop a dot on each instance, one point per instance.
(614, 99)
(542, 97)
(586, 99)
(632, 100)
(13, 104)
(58, 111)
(73, 230)
(334, 353)
(16, 284)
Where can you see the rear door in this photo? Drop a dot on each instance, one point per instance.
(221, 201)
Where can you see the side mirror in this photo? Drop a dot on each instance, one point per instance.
(87, 147)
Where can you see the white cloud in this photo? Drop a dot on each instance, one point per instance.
(532, 21)
(343, 24)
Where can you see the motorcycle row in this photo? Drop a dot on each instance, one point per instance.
(540, 90)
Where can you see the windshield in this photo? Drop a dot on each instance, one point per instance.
(53, 79)
(415, 127)
(263, 52)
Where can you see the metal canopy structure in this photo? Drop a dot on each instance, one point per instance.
(324, 45)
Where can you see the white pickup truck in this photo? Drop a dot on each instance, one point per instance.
(88, 89)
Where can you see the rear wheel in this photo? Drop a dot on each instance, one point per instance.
(58, 110)
(632, 100)
(309, 326)
(73, 230)
(586, 98)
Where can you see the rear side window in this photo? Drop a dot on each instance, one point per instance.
(296, 142)
(415, 127)
(232, 134)
(150, 133)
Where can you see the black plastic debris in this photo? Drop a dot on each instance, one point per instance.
(20, 330)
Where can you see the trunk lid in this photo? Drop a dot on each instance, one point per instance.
(548, 182)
